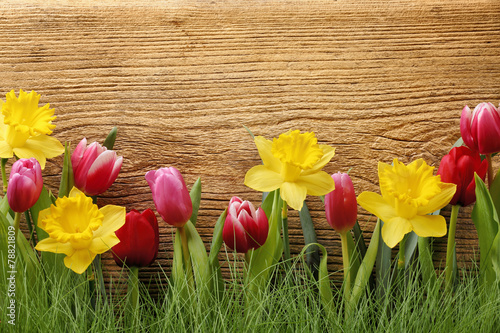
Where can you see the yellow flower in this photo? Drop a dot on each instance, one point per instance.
(293, 164)
(79, 229)
(409, 193)
(25, 128)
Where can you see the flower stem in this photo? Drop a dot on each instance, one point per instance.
(490, 170)
(402, 258)
(92, 291)
(451, 247)
(17, 220)
(185, 251)
(286, 241)
(133, 295)
(30, 228)
(4, 175)
(347, 268)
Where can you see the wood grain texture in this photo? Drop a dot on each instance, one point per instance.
(376, 79)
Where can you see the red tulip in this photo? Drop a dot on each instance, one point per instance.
(170, 195)
(244, 228)
(139, 240)
(341, 207)
(458, 167)
(480, 129)
(95, 167)
(25, 184)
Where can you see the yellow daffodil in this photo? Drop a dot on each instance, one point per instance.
(25, 128)
(409, 193)
(293, 164)
(79, 229)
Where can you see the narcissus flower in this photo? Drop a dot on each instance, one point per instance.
(139, 240)
(244, 228)
(480, 128)
(409, 193)
(341, 207)
(95, 167)
(25, 184)
(292, 163)
(458, 167)
(79, 229)
(170, 195)
(25, 128)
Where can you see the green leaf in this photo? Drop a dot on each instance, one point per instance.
(195, 195)
(67, 179)
(495, 191)
(359, 240)
(383, 275)
(410, 246)
(110, 139)
(199, 259)
(425, 259)
(312, 255)
(182, 283)
(354, 258)
(458, 143)
(485, 219)
(250, 132)
(366, 267)
(213, 257)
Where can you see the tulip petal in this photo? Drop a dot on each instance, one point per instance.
(114, 219)
(101, 172)
(465, 128)
(51, 245)
(319, 183)
(394, 230)
(79, 261)
(262, 179)
(440, 200)
(429, 225)
(294, 194)
(25, 152)
(375, 204)
(264, 147)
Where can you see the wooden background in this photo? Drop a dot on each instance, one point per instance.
(376, 79)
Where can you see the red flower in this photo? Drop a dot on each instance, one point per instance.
(480, 129)
(245, 228)
(25, 184)
(458, 167)
(341, 207)
(139, 240)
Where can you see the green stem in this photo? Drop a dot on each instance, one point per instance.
(401, 259)
(17, 220)
(185, 252)
(347, 268)
(4, 175)
(286, 241)
(451, 246)
(490, 170)
(30, 228)
(92, 291)
(133, 296)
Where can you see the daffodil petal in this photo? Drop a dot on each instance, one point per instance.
(394, 230)
(25, 152)
(5, 150)
(79, 261)
(328, 153)
(319, 183)
(262, 179)
(102, 244)
(440, 200)
(74, 192)
(51, 245)
(294, 194)
(264, 148)
(114, 219)
(375, 204)
(429, 225)
(50, 146)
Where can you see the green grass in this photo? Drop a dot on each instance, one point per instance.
(48, 303)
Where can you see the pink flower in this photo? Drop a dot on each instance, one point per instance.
(245, 228)
(170, 195)
(480, 129)
(95, 167)
(25, 184)
(341, 206)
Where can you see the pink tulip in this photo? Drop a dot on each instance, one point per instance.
(25, 184)
(95, 167)
(341, 206)
(170, 195)
(480, 129)
(244, 228)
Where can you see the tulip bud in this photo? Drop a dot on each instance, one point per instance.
(341, 207)
(244, 228)
(480, 129)
(95, 167)
(139, 240)
(170, 195)
(458, 167)
(25, 184)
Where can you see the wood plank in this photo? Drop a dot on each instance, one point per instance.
(376, 79)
